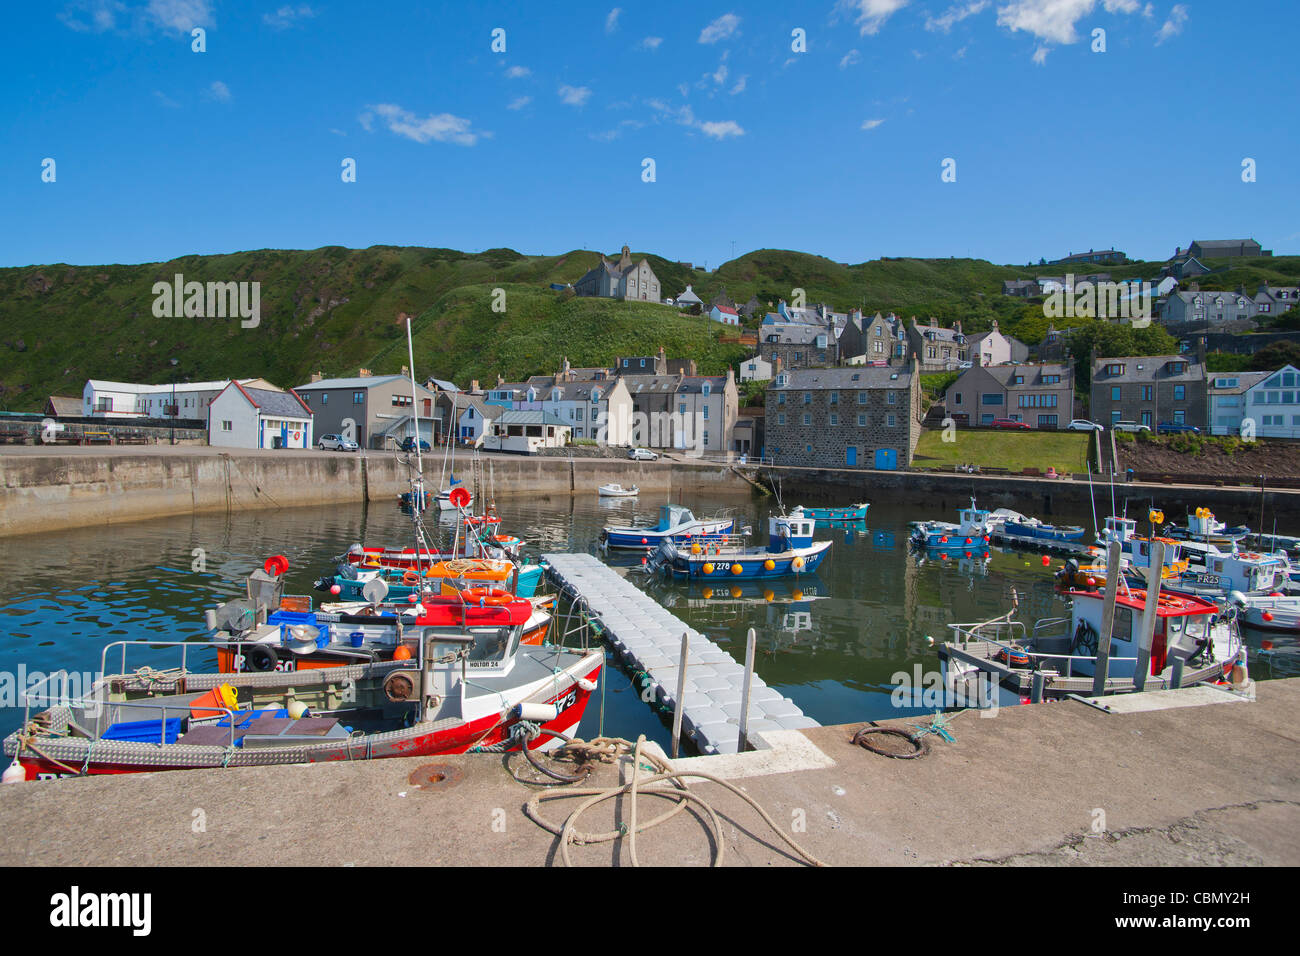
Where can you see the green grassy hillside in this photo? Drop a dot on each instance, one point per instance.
(335, 309)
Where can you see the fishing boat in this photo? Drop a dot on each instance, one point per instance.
(1203, 526)
(419, 703)
(790, 550)
(616, 490)
(296, 638)
(351, 580)
(1000, 662)
(1268, 612)
(972, 530)
(856, 512)
(1137, 549)
(1016, 528)
(676, 523)
(1246, 572)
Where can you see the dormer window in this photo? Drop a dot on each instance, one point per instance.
(706, 389)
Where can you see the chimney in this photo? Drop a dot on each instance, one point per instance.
(363, 373)
(473, 386)
(956, 326)
(317, 376)
(406, 372)
(1193, 287)
(500, 381)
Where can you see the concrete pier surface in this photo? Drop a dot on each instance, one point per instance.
(1058, 784)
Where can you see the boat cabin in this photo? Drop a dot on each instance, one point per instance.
(1245, 571)
(673, 516)
(1182, 627)
(789, 531)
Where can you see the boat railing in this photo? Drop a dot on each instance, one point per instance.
(93, 703)
(716, 543)
(999, 635)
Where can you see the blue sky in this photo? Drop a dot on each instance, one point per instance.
(161, 151)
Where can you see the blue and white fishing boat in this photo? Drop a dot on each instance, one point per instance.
(676, 523)
(828, 515)
(1025, 530)
(790, 550)
(972, 530)
(1203, 526)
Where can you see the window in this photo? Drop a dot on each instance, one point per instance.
(1146, 419)
(681, 408)
(893, 398)
(862, 398)
(1114, 369)
(889, 420)
(325, 398)
(358, 398)
(1047, 421)
(835, 419)
(835, 398)
(780, 399)
(1018, 380)
(1180, 393)
(862, 421)
(706, 389)
(1180, 416)
(706, 436)
(956, 398)
(226, 426)
(780, 418)
(1146, 393)
(807, 398)
(1114, 393)
(1114, 416)
(991, 398)
(706, 413)
(1051, 379)
(807, 419)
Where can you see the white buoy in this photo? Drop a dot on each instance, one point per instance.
(297, 709)
(14, 773)
(537, 713)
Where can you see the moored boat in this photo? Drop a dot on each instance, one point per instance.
(676, 523)
(616, 490)
(972, 531)
(855, 512)
(790, 550)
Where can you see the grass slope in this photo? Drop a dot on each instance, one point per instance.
(1065, 451)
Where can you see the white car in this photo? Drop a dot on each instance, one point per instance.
(1083, 425)
(336, 443)
(1130, 427)
(642, 454)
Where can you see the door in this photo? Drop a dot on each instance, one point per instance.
(886, 459)
(851, 455)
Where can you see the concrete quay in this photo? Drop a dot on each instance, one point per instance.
(1059, 784)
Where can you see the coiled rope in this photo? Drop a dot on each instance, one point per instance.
(671, 786)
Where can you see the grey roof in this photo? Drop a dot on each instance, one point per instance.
(1244, 381)
(794, 333)
(513, 417)
(478, 404)
(857, 376)
(1147, 368)
(276, 404)
(363, 381)
(695, 383)
(445, 386)
(643, 384)
(1229, 247)
(1032, 374)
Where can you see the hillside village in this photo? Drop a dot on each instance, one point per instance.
(816, 384)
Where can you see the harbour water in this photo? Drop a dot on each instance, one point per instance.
(831, 641)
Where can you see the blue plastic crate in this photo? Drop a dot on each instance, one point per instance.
(145, 731)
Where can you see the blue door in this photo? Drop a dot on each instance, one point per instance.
(886, 459)
(851, 455)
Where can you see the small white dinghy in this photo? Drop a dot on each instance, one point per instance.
(615, 490)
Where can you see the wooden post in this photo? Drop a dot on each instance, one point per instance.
(681, 692)
(1149, 614)
(1114, 553)
(750, 640)
(1176, 679)
(1037, 685)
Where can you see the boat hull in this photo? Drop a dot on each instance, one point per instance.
(730, 567)
(632, 538)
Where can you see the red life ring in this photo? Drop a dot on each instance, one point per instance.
(410, 578)
(492, 597)
(276, 565)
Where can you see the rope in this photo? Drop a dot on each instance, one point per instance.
(938, 725)
(672, 787)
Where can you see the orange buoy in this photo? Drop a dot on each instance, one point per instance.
(401, 653)
(1046, 560)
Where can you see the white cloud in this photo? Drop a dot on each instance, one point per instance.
(1174, 25)
(871, 123)
(1052, 20)
(1121, 6)
(955, 14)
(574, 95)
(720, 75)
(219, 91)
(611, 21)
(442, 127)
(652, 43)
(721, 130)
(515, 72)
(182, 15)
(869, 15)
(166, 100)
(740, 85)
(92, 16)
(848, 59)
(286, 16)
(1040, 54)
(519, 103)
(720, 28)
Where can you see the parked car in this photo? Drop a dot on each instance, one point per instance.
(408, 444)
(1174, 428)
(1009, 423)
(1130, 427)
(336, 443)
(642, 454)
(1083, 425)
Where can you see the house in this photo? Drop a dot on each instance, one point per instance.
(526, 432)
(183, 400)
(1224, 249)
(657, 364)
(1273, 404)
(1227, 398)
(1020, 288)
(1103, 255)
(725, 315)
(755, 369)
(373, 408)
(245, 417)
(798, 345)
(881, 340)
(994, 348)
(473, 421)
(1150, 389)
(937, 349)
(623, 279)
(1272, 300)
(1041, 396)
(679, 411)
(63, 406)
(598, 409)
(688, 299)
(1212, 309)
(844, 417)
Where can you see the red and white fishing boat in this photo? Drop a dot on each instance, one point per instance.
(449, 689)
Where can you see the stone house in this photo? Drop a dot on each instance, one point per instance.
(623, 279)
(854, 417)
(937, 349)
(1041, 396)
(1150, 389)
